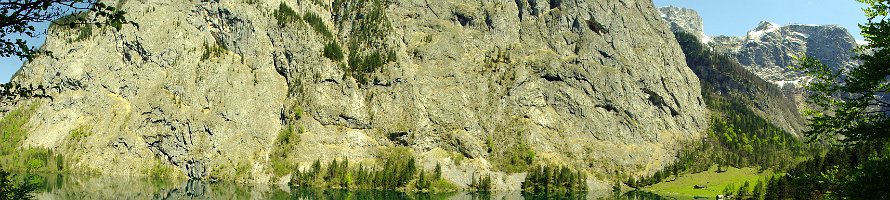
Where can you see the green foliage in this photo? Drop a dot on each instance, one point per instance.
(76, 22)
(12, 127)
(333, 51)
(437, 174)
(160, 171)
(547, 179)
(29, 159)
(317, 24)
(737, 136)
(397, 171)
(368, 49)
(852, 104)
(285, 15)
(849, 106)
(442, 185)
(213, 50)
(19, 19)
(481, 183)
(287, 140)
(80, 133)
(852, 172)
(423, 181)
(12, 189)
(509, 149)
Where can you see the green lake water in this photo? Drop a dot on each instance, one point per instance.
(59, 186)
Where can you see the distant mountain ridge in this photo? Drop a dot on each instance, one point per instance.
(769, 48)
(740, 82)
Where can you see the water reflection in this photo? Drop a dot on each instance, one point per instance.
(58, 186)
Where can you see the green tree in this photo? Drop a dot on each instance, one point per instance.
(9, 189)
(849, 107)
(853, 104)
(438, 173)
(18, 17)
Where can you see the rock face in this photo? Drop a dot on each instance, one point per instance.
(768, 49)
(684, 20)
(207, 86)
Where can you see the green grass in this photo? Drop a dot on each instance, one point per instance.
(682, 188)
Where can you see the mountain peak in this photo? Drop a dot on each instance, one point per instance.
(766, 25)
(762, 28)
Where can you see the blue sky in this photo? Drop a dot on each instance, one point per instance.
(9, 65)
(721, 17)
(736, 18)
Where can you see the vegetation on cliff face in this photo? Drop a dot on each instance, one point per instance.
(368, 49)
(17, 158)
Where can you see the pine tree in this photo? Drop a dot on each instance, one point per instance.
(438, 173)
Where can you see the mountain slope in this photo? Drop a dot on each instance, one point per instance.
(244, 90)
(722, 75)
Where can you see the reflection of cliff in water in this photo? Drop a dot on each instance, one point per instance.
(58, 186)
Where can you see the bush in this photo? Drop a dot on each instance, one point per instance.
(285, 15)
(333, 51)
(368, 49)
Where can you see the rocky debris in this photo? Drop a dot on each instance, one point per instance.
(202, 86)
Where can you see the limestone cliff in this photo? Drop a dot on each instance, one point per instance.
(208, 86)
(685, 20)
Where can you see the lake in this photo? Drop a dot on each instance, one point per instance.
(59, 186)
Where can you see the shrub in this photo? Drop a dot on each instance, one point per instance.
(12, 132)
(76, 21)
(285, 15)
(368, 49)
(12, 128)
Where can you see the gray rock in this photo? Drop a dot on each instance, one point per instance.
(685, 20)
(598, 85)
(768, 50)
